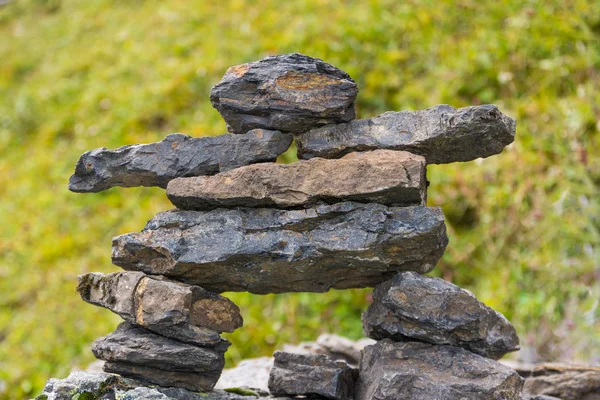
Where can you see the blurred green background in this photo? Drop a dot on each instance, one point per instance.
(76, 75)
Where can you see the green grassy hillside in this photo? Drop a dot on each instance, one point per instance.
(76, 75)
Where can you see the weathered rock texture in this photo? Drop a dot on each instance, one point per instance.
(421, 371)
(333, 346)
(312, 374)
(382, 176)
(414, 307)
(289, 92)
(567, 382)
(187, 313)
(135, 352)
(442, 134)
(175, 156)
(345, 245)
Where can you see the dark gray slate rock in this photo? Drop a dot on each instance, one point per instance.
(345, 245)
(135, 352)
(175, 156)
(382, 176)
(567, 382)
(311, 374)
(442, 134)
(288, 92)
(421, 371)
(183, 312)
(415, 307)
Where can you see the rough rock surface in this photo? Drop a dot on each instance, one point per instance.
(567, 382)
(345, 245)
(415, 307)
(442, 134)
(310, 375)
(333, 346)
(135, 352)
(175, 156)
(187, 313)
(103, 386)
(421, 371)
(382, 176)
(288, 92)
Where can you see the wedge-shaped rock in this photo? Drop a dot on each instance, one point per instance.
(421, 371)
(183, 312)
(416, 307)
(382, 176)
(311, 375)
(135, 352)
(442, 134)
(289, 92)
(175, 156)
(341, 246)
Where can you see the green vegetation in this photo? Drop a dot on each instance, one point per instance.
(524, 226)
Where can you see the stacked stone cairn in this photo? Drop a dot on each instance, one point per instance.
(350, 214)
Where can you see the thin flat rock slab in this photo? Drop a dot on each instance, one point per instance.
(311, 375)
(184, 312)
(175, 156)
(413, 307)
(567, 382)
(422, 371)
(442, 134)
(264, 250)
(288, 92)
(382, 176)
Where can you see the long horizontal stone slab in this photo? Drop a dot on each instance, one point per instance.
(184, 312)
(382, 176)
(263, 250)
(413, 307)
(442, 134)
(287, 92)
(177, 155)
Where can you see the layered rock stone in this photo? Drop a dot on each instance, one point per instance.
(177, 155)
(288, 92)
(442, 134)
(382, 176)
(345, 245)
(183, 312)
(567, 382)
(414, 307)
(135, 352)
(311, 375)
(421, 371)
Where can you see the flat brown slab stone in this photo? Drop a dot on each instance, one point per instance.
(442, 134)
(567, 382)
(382, 176)
(265, 250)
(288, 92)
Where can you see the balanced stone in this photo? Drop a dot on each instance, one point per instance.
(264, 250)
(415, 307)
(187, 313)
(135, 352)
(311, 375)
(382, 176)
(442, 134)
(175, 156)
(421, 371)
(288, 92)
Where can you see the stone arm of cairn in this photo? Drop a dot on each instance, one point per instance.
(351, 214)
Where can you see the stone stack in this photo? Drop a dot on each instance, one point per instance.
(351, 213)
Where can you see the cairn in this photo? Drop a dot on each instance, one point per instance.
(351, 213)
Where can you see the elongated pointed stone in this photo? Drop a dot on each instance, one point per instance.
(415, 307)
(382, 176)
(442, 134)
(341, 246)
(135, 352)
(288, 92)
(177, 155)
(183, 312)
(421, 371)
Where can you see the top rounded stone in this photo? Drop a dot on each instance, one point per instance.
(288, 92)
